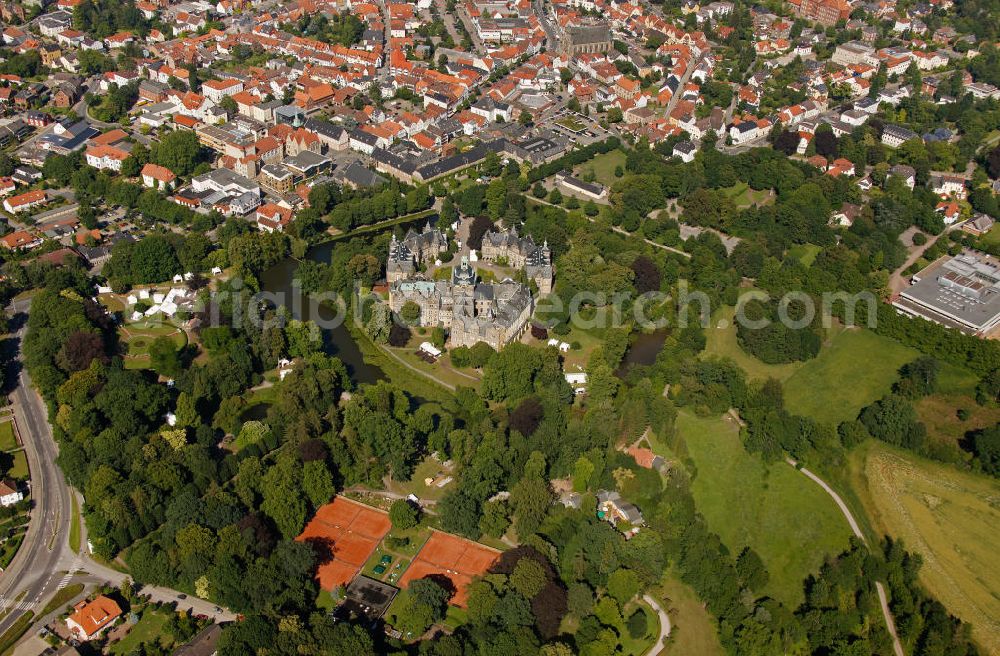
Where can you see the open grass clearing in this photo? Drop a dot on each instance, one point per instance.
(939, 413)
(804, 253)
(8, 442)
(19, 470)
(693, 629)
(603, 167)
(789, 521)
(949, 517)
(721, 341)
(429, 468)
(856, 368)
(148, 630)
(743, 196)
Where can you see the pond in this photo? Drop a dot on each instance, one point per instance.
(643, 350)
(278, 280)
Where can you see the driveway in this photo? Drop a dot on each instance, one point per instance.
(665, 628)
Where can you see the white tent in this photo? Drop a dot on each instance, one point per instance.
(430, 349)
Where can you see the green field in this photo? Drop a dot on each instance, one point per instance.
(149, 629)
(7, 440)
(857, 368)
(721, 341)
(571, 123)
(804, 253)
(693, 629)
(19, 470)
(603, 167)
(789, 521)
(428, 468)
(743, 196)
(140, 336)
(947, 516)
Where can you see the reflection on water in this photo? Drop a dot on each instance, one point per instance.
(278, 280)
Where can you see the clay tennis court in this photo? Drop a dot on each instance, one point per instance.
(353, 530)
(455, 558)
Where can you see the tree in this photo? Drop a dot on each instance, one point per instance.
(317, 483)
(164, 356)
(495, 519)
(403, 515)
(623, 584)
(528, 577)
(555, 196)
(530, 499)
(410, 313)
(525, 118)
(918, 378)
(179, 151)
(496, 198)
(986, 447)
(491, 164)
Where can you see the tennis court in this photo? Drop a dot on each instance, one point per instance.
(454, 558)
(351, 531)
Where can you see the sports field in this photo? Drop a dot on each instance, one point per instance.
(789, 521)
(351, 531)
(949, 517)
(455, 558)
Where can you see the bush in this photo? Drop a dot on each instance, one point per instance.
(919, 239)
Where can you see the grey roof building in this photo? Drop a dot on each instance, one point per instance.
(962, 292)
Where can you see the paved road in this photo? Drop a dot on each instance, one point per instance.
(665, 627)
(890, 622)
(45, 563)
(35, 569)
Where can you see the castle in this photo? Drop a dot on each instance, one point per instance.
(415, 249)
(494, 313)
(520, 253)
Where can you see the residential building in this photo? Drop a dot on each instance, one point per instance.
(90, 619)
(9, 493)
(25, 202)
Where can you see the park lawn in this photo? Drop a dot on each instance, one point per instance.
(7, 440)
(141, 335)
(804, 253)
(693, 630)
(604, 166)
(428, 468)
(946, 515)
(639, 646)
(789, 521)
(441, 370)
(992, 238)
(743, 196)
(857, 368)
(19, 470)
(148, 630)
(721, 341)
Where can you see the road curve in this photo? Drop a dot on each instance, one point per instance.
(890, 622)
(33, 575)
(665, 628)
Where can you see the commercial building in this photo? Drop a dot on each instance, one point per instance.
(962, 292)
